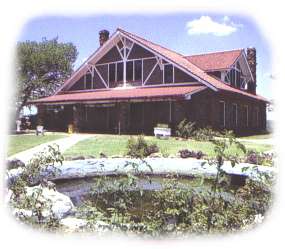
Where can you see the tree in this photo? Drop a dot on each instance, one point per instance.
(41, 68)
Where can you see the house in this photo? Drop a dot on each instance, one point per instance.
(129, 85)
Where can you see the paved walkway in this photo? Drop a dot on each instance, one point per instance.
(63, 143)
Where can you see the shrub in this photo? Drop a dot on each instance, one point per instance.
(139, 148)
(153, 148)
(162, 125)
(205, 134)
(258, 158)
(14, 164)
(185, 129)
(36, 171)
(188, 153)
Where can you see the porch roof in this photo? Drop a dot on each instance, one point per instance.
(123, 94)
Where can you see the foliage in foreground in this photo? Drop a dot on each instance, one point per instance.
(125, 205)
(258, 158)
(34, 208)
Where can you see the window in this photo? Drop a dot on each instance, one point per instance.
(120, 45)
(168, 73)
(133, 71)
(246, 117)
(238, 79)
(222, 113)
(138, 70)
(130, 70)
(243, 85)
(112, 70)
(120, 71)
(234, 77)
(88, 81)
(256, 117)
(79, 85)
(234, 115)
(244, 113)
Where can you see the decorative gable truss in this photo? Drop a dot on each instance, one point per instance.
(239, 74)
(124, 63)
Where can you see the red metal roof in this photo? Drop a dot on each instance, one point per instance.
(216, 60)
(124, 94)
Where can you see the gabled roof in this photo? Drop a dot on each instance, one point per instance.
(124, 94)
(177, 59)
(215, 61)
(194, 70)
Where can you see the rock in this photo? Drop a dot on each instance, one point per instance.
(89, 157)
(107, 166)
(102, 155)
(48, 184)
(185, 153)
(155, 155)
(78, 158)
(14, 164)
(116, 156)
(67, 158)
(72, 223)
(60, 204)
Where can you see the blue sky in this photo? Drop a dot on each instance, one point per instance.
(191, 33)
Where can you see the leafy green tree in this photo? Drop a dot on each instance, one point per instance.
(41, 68)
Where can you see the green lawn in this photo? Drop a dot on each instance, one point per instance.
(262, 136)
(18, 143)
(116, 145)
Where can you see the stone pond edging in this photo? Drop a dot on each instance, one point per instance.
(160, 166)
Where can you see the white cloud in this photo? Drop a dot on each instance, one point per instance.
(205, 25)
(270, 76)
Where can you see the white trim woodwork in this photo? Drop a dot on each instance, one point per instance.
(112, 41)
(107, 86)
(150, 73)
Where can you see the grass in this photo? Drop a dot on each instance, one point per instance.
(112, 145)
(262, 136)
(18, 143)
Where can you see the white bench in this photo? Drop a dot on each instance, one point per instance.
(162, 132)
(39, 130)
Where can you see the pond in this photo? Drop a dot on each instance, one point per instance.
(155, 202)
(86, 189)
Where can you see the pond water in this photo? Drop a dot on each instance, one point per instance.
(80, 190)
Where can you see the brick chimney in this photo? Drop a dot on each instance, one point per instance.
(103, 36)
(251, 59)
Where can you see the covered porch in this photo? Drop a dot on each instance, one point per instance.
(115, 118)
(120, 111)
